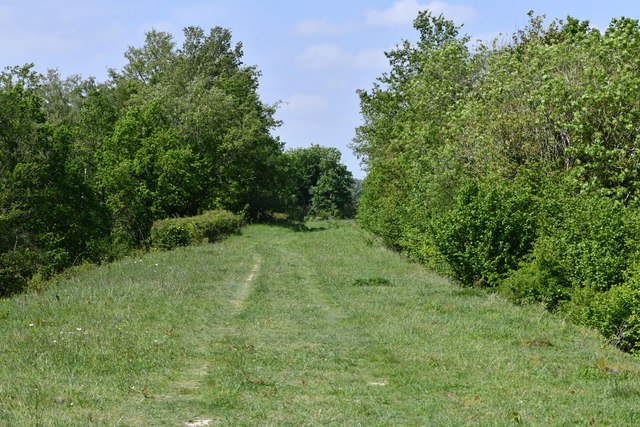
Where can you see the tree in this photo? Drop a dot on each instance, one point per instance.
(192, 135)
(402, 141)
(87, 167)
(321, 185)
(47, 211)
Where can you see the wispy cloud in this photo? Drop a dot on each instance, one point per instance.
(306, 103)
(322, 27)
(72, 30)
(111, 31)
(403, 12)
(329, 55)
(324, 55)
(459, 13)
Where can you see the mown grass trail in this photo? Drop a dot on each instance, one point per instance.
(278, 327)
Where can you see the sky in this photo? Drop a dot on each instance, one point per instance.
(313, 55)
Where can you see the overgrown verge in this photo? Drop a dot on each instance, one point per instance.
(514, 166)
(213, 225)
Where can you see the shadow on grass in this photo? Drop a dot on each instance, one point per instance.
(295, 226)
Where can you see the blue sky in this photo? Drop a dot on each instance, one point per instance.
(313, 54)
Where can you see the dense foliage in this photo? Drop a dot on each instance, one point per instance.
(321, 186)
(170, 233)
(515, 166)
(87, 167)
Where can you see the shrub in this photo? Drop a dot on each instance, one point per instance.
(173, 232)
(15, 269)
(615, 313)
(585, 265)
(587, 241)
(592, 239)
(539, 278)
(487, 233)
(216, 224)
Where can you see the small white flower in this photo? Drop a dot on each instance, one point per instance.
(55, 341)
(156, 265)
(78, 329)
(31, 324)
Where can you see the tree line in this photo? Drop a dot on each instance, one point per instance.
(514, 165)
(86, 167)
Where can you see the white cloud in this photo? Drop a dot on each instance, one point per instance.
(306, 103)
(403, 12)
(322, 28)
(325, 55)
(328, 55)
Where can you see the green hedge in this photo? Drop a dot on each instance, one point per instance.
(587, 241)
(615, 313)
(516, 164)
(487, 233)
(173, 232)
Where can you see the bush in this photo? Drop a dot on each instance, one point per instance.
(16, 267)
(216, 224)
(381, 209)
(587, 241)
(487, 233)
(585, 264)
(540, 278)
(615, 313)
(173, 232)
(592, 238)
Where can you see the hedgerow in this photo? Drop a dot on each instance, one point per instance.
(211, 225)
(515, 163)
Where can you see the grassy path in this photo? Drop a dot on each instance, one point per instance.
(276, 327)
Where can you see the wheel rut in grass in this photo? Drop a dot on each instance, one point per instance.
(283, 311)
(198, 371)
(308, 276)
(244, 290)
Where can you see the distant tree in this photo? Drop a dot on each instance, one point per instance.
(321, 185)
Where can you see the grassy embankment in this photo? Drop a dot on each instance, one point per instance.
(283, 327)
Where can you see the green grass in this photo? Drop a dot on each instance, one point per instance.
(278, 327)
